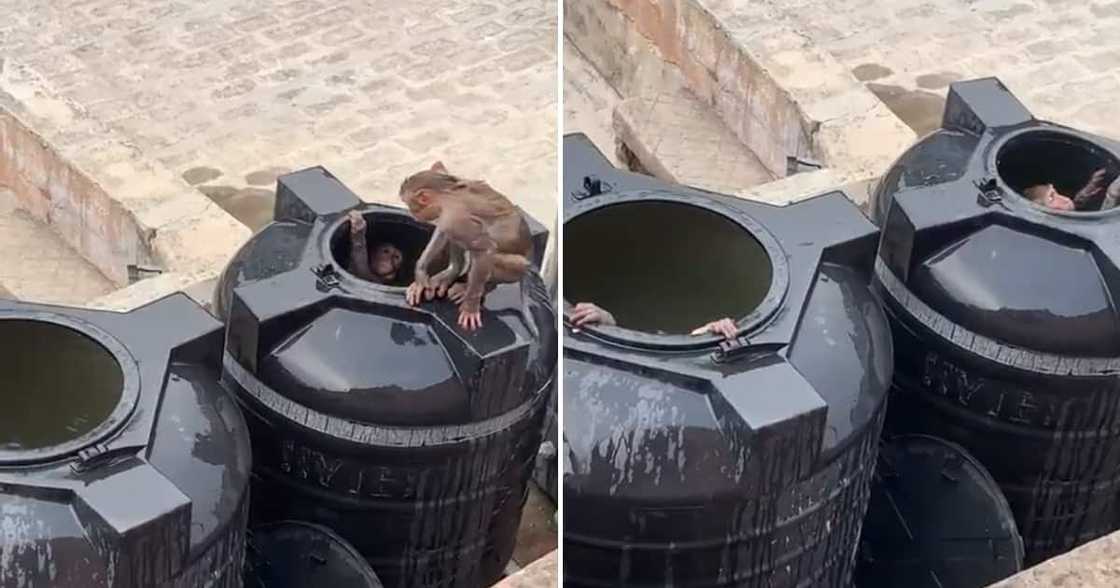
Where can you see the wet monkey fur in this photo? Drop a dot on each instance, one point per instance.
(484, 234)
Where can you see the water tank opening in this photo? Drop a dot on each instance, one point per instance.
(59, 385)
(664, 267)
(1049, 157)
(404, 233)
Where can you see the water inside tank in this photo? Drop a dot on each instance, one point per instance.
(1050, 157)
(663, 267)
(58, 384)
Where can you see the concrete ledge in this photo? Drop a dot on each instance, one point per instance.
(107, 202)
(539, 574)
(1093, 565)
(679, 139)
(198, 286)
(777, 92)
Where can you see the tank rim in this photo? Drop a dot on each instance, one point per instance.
(992, 163)
(751, 322)
(117, 418)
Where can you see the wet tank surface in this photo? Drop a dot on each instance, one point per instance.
(691, 462)
(123, 463)
(410, 438)
(1006, 332)
(936, 519)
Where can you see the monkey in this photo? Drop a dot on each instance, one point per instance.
(380, 266)
(586, 313)
(487, 239)
(1048, 196)
(1112, 195)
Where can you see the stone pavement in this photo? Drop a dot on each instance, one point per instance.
(228, 93)
(1093, 565)
(542, 573)
(1059, 57)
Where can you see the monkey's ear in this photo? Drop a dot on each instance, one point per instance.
(439, 167)
(422, 197)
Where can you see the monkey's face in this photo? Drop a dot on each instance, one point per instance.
(385, 261)
(1047, 196)
(422, 205)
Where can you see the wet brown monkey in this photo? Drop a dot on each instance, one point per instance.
(484, 233)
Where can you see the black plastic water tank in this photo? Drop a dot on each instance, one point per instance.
(297, 554)
(410, 438)
(691, 463)
(1006, 329)
(123, 463)
(936, 519)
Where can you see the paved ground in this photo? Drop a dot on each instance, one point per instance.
(541, 574)
(229, 93)
(537, 534)
(1060, 57)
(37, 266)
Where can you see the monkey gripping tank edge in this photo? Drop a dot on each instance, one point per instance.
(1007, 334)
(123, 463)
(688, 462)
(410, 438)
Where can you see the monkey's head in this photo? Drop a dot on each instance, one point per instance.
(1046, 195)
(385, 261)
(423, 192)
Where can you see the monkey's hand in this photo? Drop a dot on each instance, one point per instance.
(439, 284)
(586, 313)
(457, 292)
(1091, 188)
(357, 222)
(725, 328)
(420, 283)
(470, 315)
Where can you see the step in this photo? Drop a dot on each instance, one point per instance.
(38, 266)
(676, 137)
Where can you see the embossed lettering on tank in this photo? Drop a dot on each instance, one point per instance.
(357, 479)
(1003, 400)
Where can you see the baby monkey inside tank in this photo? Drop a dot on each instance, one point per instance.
(1086, 198)
(379, 265)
